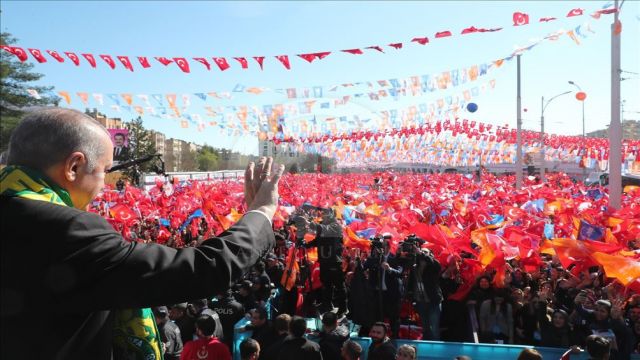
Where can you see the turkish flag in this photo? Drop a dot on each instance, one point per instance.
(144, 61)
(421, 41)
(520, 19)
(109, 60)
(38, 55)
(284, 59)
(204, 62)
(469, 30)
(322, 55)
(125, 61)
(575, 12)
(243, 62)
(353, 51)
(259, 60)
(308, 57)
(164, 61)
(396, 45)
(123, 213)
(222, 63)
(547, 19)
(183, 64)
(90, 59)
(375, 47)
(73, 58)
(54, 54)
(442, 34)
(18, 52)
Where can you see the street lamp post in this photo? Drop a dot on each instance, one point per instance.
(581, 98)
(542, 160)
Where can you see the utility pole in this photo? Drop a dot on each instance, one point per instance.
(519, 134)
(615, 128)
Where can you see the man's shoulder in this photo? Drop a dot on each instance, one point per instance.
(16, 210)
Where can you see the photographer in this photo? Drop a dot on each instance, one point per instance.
(424, 282)
(328, 240)
(385, 278)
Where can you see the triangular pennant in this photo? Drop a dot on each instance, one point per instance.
(128, 98)
(90, 59)
(54, 54)
(65, 95)
(520, 19)
(575, 12)
(259, 60)
(308, 57)
(421, 41)
(222, 63)
(182, 63)
(163, 60)
(99, 98)
(204, 62)
(158, 98)
(375, 47)
(353, 51)
(202, 96)
(396, 45)
(38, 55)
(125, 62)
(243, 62)
(74, 58)
(442, 34)
(144, 62)
(84, 97)
(284, 59)
(109, 61)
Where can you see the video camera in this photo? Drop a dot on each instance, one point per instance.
(411, 245)
(307, 213)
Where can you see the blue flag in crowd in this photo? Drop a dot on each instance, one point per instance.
(196, 214)
(590, 232)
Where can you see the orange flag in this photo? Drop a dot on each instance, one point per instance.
(291, 270)
(353, 241)
(84, 97)
(487, 253)
(128, 98)
(65, 95)
(626, 270)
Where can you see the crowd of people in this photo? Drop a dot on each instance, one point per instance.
(404, 256)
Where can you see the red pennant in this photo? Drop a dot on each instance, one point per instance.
(109, 61)
(125, 61)
(38, 55)
(183, 64)
(575, 12)
(243, 62)
(163, 60)
(442, 34)
(547, 19)
(73, 58)
(54, 54)
(308, 57)
(353, 51)
(322, 55)
(144, 61)
(421, 41)
(90, 59)
(607, 11)
(222, 63)
(204, 62)
(18, 52)
(520, 19)
(469, 30)
(396, 45)
(375, 47)
(284, 59)
(259, 60)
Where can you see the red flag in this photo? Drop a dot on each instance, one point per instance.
(396, 45)
(163, 60)
(353, 51)
(442, 34)
(54, 54)
(469, 30)
(144, 61)
(547, 19)
(183, 64)
(204, 62)
(259, 60)
(322, 55)
(575, 12)
(125, 61)
(38, 55)
(284, 59)
(421, 41)
(123, 213)
(18, 52)
(308, 57)
(222, 63)
(375, 47)
(520, 19)
(74, 58)
(109, 61)
(243, 62)
(90, 59)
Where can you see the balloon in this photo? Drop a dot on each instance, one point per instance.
(472, 107)
(581, 95)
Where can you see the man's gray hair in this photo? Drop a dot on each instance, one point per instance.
(46, 137)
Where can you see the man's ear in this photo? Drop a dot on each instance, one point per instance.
(72, 165)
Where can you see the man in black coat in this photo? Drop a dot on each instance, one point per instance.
(281, 325)
(169, 333)
(332, 336)
(230, 312)
(262, 329)
(425, 283)
(296, 347)
(74, 267)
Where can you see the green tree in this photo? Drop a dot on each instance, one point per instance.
(15, 78)
(140, 145)
(207, 159)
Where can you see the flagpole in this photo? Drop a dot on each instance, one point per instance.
(615, 128)
(519, 134)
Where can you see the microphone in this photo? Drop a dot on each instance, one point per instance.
(130, 163)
